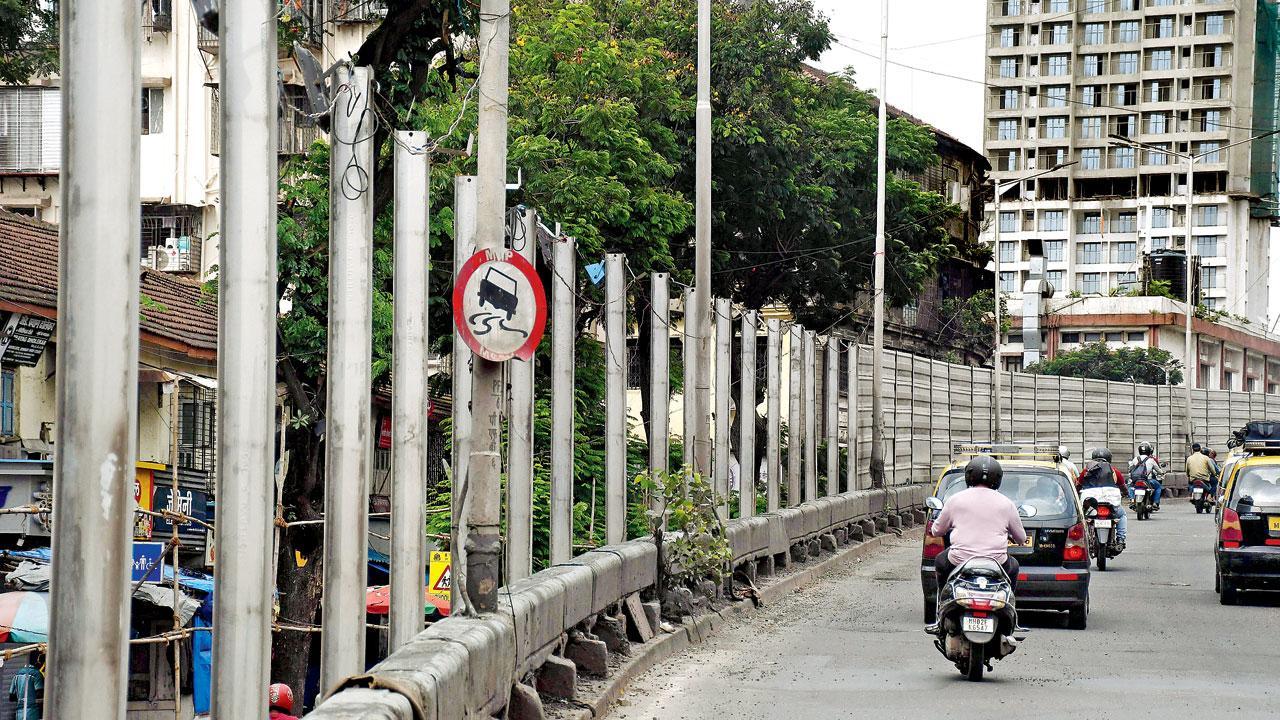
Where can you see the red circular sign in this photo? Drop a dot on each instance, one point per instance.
(499, 305)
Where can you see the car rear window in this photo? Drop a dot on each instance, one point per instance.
(1046, 490)
(1262, 483)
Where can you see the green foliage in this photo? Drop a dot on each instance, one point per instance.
(1161, 288)
(1100, 362)
(971, 319)
(28, 40)
(692, 545)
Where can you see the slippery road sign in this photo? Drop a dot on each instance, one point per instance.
(499, 305)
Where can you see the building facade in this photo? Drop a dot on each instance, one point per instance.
(1067, 79)
(178, 125)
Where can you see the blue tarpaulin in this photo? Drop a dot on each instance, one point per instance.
(201, 664)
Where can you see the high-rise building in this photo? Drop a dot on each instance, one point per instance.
(1068, 79)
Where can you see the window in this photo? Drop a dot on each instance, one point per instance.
(1211, 120)
(1158, 156)
(1091, 284)
(1095, 34)
(1126, 222)
(1208, 245)
(1092, 65)
(196, 436)
(1128, 31)
(1211, 277)
(1095, 6)
(1160, 217)
(6, 403)
(1137, 337)
(1091, 128)
(1007, 130)
(1055, 96)
(1092, 337)
(1009, 99)
(1115, 337)
(1011, 7)
(1091, 95)
(1089, 253)
(1157, 124)
(1211, 89)
(1207, 216)
(1008, 222)
(1054, 250)
(1127, 281)
(1124, 252)
(1008, 67)
(1213, 25)
(1059, 5)
(1009, 252)
(1160, 91)
(1091, 159)
(152, 111)
(1053, 157)
(1057, 34)
(1055, 127)
(1161, 27)
(1161, 60)
(1159, 243)
(1008, 37)
(1127, 63)
(1070, 337)
(1051, 220)
(30, 129)
(1091, 223)
(1126, 94)
(1124, 157)
(1008, 282)
(1058, 64)
(1057, 278)
(1209, 152)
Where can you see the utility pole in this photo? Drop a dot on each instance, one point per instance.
(483, 484)
(877, 351)
(702, 243)
(615, 428)
(97, 360)
(563, 311)
(247, 299)
(464, 245)
(1190, 353)
(520, 430)
(659, 375)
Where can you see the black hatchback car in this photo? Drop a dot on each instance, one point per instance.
(1054, 563)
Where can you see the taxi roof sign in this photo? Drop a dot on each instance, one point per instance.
(1009, 450)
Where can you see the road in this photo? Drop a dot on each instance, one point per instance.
(851, 646)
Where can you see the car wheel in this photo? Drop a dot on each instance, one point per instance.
(1228, 594)
(930, 610)
(1078, 617)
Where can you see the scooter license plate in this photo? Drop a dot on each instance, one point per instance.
(1102, 523)
(1198, 494)
(1139, 494)
(977, 624)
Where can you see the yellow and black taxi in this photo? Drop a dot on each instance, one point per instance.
(1248, 547)
(1054, 562)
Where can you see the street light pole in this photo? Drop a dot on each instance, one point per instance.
(702, 248)
(877, 354)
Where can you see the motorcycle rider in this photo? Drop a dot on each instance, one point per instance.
(981, 522)
(1099, 473)
(1145, 467)
(1199, 467)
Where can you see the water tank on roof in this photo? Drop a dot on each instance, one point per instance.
(1171, 267)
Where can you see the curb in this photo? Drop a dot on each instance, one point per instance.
(695, 630)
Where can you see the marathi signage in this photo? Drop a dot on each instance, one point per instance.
(23, 338)
(190, 502)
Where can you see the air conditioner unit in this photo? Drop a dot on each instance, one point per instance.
(165, 259)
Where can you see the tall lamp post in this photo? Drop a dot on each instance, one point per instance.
(1190, 160)
(998, 403)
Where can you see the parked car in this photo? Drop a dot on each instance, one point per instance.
(1054, 572)
(1247, 553)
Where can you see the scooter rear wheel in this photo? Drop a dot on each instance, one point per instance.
(977, 658)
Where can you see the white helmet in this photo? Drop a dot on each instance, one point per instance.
(1063, 452)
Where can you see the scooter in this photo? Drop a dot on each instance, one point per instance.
(1100, 514)
(977, 613)
(1143, 502)
(1201, 497)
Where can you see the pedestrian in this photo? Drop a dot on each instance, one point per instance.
(280, 702)
(26, 689)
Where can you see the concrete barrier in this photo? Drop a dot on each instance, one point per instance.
(464, 667)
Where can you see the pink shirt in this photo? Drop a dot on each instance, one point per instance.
(981, 521)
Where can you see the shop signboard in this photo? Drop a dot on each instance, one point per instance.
(23, 338)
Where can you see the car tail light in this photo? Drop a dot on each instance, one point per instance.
(1066, 576)
(1230, 536)
(933, 545)
(1104, 511)
(1075, 551)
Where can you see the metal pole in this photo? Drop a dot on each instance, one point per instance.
(998, 422)
(659, 374)
(833, 417)
(97, 360)
(877, 352)
(747, 418)
(851, 421)
(173, 540)
(615, 432)
(562, 393)
(464, 246)
(520, 432)
(724, 354)
(810, 416)
(702, 241)
(1192, 356)
(773, 452)
(689, 395)
(244, 578)
(795, 415)
(350, 377)
(409, 386)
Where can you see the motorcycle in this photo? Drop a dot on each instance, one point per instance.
(1143, 502)
(1201, 497)
(1100, 514)
(977, 613)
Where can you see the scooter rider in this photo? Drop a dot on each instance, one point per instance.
(1200, 466)
(1064, 458)
(1099, 473)
(1146, 467)
(981, 522)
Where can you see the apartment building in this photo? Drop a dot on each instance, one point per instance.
(178, 124)
(1066, 78)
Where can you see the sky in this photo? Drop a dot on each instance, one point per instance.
(945, 36)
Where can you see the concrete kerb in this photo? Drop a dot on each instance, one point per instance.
(645, 657)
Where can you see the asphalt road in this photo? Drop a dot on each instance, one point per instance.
(1158, 646)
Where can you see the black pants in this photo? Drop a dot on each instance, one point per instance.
(943, 565)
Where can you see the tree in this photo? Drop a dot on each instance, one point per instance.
(28, 40)
(1097, 361)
